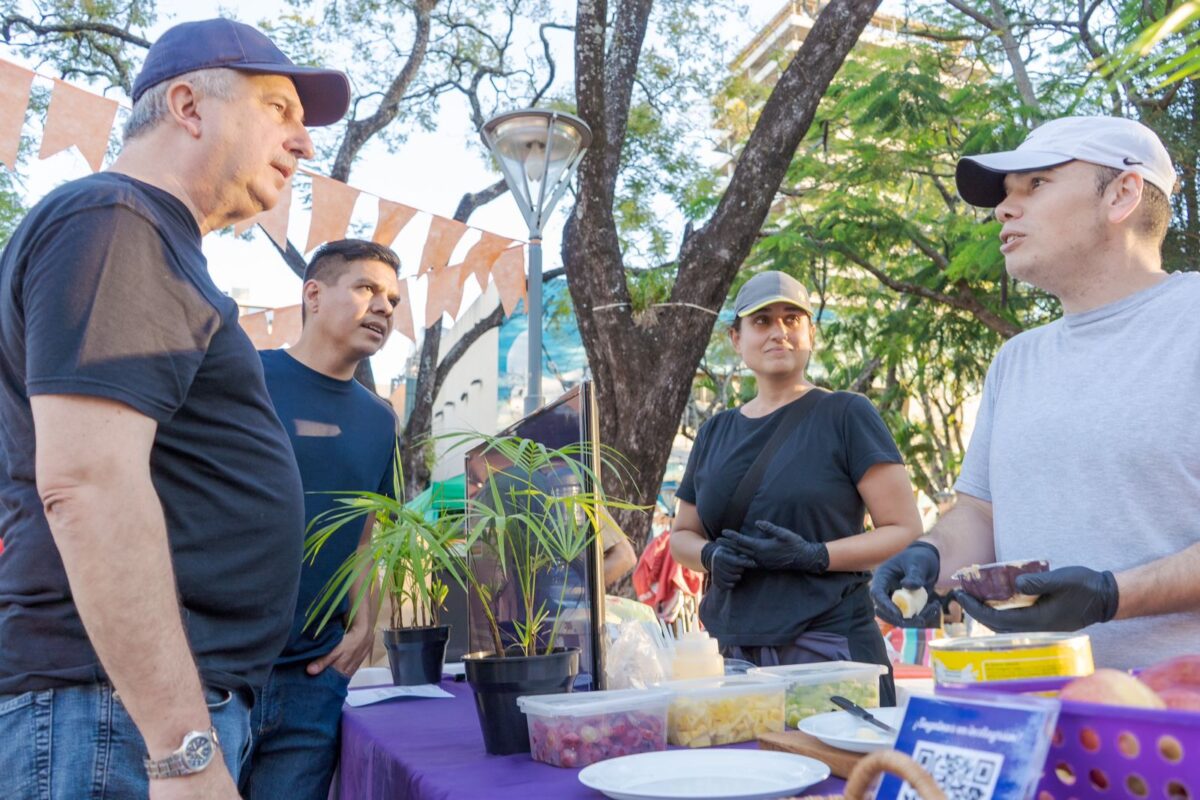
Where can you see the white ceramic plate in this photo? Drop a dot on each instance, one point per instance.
(844, 730)
(704, 774)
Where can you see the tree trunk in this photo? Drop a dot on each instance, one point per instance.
(415, 441)
(644, 367)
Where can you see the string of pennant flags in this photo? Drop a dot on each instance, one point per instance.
(84, 120)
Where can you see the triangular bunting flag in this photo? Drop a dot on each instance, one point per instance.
(273, 328)
(439, 244)
(274, 221)
(332, 205)
(392, 219)
(14, 100)
(508, 273)
(402, 320)
(482, 256)
(445, 294)
(79, 118)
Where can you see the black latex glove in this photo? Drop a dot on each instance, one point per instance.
(724, 564)
(914, 567)
(1070, 598)
(778, 548)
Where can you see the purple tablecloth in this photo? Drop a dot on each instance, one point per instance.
(433, 750)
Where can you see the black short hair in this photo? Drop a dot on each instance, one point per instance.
(1154, 212)
(331, 258)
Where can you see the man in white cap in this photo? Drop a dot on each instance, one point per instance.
(150, 504)
(1086, 451)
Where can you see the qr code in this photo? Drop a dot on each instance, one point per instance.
(962, 773)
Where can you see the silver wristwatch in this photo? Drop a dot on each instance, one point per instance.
(198, 750)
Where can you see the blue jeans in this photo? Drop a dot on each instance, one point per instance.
(295, 731)
(79, 743)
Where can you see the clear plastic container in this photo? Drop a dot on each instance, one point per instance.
(696, 656)
(713, 711)
(809, 686)
(581, 728)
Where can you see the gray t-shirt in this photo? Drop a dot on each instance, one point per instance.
(1088, 447)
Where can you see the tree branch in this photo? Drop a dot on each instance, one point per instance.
(474, 200)
(358, 131)
(71, 28)
(726, 238)
(620, 72)
(965, 300)
(549, 58)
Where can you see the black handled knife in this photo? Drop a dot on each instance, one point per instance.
(861, 713)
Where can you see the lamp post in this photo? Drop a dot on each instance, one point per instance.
(538, 151)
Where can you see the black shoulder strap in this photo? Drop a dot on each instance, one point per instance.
(739, 504)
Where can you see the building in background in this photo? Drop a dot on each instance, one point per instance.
(485, 390)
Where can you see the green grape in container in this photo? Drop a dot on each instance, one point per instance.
(811, 685)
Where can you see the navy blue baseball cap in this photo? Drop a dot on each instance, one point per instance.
(224, 43)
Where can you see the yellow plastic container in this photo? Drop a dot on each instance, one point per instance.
(1011, 657)
(715, 711)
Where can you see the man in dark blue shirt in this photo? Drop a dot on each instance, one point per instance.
(148, 495)
(344, 437)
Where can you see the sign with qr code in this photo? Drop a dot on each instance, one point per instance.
(988, 747)
(963, 774)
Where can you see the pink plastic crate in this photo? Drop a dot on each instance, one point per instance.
(1102, 752)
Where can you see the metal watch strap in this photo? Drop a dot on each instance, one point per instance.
(176, 765)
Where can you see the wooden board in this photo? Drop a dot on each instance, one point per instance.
(840, 761)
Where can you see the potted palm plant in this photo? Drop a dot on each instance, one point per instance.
(412, 553)
(529, 520)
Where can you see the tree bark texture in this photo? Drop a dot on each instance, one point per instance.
(643, 365)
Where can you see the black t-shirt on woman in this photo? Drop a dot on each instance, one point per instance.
(810, 488)
(104, 291)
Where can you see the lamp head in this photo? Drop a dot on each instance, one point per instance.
(537, 151)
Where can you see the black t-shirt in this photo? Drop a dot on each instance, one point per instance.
(810, 488)
(104, 292)
(344, 437)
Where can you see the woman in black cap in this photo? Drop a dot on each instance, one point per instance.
(773, 499)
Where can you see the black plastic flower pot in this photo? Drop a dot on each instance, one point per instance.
(498, 682)
(416, 655)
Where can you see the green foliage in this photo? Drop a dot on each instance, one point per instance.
(526, 531)
(1130, 58)
(81, 52)
(650, 286)
(663, 171)
(409, 550)
(872, 200)
(1166, 48)
(511, 520)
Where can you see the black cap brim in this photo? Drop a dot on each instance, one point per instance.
(980, 179)
(324, 93)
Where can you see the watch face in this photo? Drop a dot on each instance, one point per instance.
(198, 752)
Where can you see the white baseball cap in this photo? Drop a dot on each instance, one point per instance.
(1108, 141)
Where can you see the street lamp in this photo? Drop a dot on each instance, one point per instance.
(538, 151)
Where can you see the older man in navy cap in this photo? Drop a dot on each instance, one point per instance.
(149, 501)
(1086, 451)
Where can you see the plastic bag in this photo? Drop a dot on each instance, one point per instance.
(638, 656)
